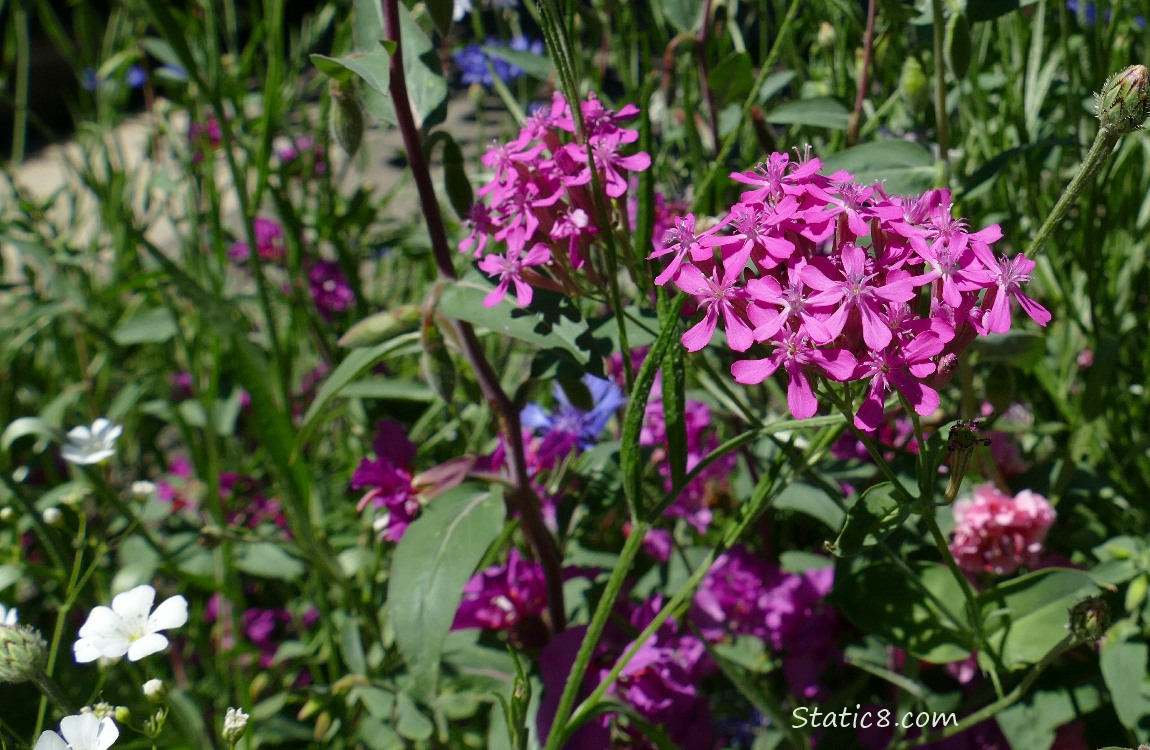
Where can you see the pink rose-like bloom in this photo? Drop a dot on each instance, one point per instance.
(997, 533)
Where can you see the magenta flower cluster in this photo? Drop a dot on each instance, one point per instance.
(540, 211)
(997, 533)
(825, 274)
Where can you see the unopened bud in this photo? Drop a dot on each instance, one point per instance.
(142, 490)
(53, 517)
(156, 691)
(914, 86)
(962, 439)
(1089, 620)
(346, 117)
(7, 513)
(23, 653)
(435, 364)
(827, 35)
(122, 714)
(1124, 102)
(235, 722)
(102, 710)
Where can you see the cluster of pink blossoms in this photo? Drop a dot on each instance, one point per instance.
(787, 268)
(997, 533)
(541, 210)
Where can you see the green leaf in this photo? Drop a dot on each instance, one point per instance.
(436, 557)
(371, 67)
(350, 642)
(774, 83)
(684, 15)
(903, 167)
(426, 86)
(922, 615)
(870, 520)
(27, 426)
(988, 10)
(441, 12)
(553, 322)
(819, 112)
(347, 371)
(1027, 616)
(455, 180)
(539, 67)
(268, 560)
(731, 80)
(812, 501)
(154, 326)
(377, 734)
(381, 327)
(1123, 663)
(1033, 722)
(958, 48)
(410, 722)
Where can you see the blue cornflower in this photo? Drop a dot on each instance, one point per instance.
(136, 76)
(568, 424)
(472, 61)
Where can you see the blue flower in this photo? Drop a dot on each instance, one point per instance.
(569, 421)
(473, 61)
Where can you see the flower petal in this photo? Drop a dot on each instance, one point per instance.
(172, 613)
(50, 741)
(80, 731)
(152, 643)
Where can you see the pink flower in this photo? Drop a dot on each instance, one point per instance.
(996, 533)
(499, 597)
(719, 297)
(509, 268)
(901, 367)
(1008, 275)
(797, 355)
(269, 236)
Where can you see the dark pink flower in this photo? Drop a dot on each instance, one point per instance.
(269, 236)
(329, 288)
(502, 596)
(388, 479)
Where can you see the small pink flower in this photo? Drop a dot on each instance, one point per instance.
(509, 268)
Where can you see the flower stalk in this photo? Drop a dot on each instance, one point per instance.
(522, 497)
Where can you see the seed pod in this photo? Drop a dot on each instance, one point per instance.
(346, 117)
(1089, 620)
(914, 86)
(435, 364)
(958, 47)
(1124, 102)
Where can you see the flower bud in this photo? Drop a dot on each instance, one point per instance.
(827, 35)
(346, 117)
(23, 653)
(156, 691)
(235, 722)
(52, 516)
(914, 86)
(1089, 620)
(7, 513)
(1124, 102)
(122, 714)
(142, 490)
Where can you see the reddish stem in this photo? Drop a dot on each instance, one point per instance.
(521, 497)
(864, 75)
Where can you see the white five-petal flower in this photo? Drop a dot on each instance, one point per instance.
(7, 616)
(127, 627)
(80, 732)
(92, 445)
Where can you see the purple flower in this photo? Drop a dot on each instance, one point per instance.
(387, 478)
(503, 596)
(567, 426)
(329, 288)
(269, 237)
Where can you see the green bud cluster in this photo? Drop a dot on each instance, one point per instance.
(1124, 103)
(23, 653)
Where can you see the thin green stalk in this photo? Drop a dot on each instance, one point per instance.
(1104, 143)
(942, 125)
(1006, 701)
(23, 72)
(781, 39)
(615, 583)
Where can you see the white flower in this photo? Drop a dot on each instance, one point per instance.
(7, 616)
(460, 9)
(92, 445)
(235, 721)
(127, 627)
(80, 732)
(143, 489)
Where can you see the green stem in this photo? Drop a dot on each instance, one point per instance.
(783, 35)
(940, 121)
(1103, 144)
(631, 547)
(1006, 701)
(23, 71)
(51, 690)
